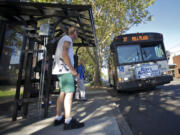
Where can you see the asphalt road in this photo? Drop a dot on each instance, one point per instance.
(152, 112)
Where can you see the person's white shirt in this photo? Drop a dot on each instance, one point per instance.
(59, 67)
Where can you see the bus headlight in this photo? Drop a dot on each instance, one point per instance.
(164, 73)
(126, 79)
(120, 79)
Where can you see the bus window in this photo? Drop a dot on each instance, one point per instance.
(152, 52)
(159, 52)
(129, 54)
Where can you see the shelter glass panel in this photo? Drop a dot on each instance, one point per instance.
(10, 57)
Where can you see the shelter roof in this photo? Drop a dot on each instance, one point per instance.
(59, 16)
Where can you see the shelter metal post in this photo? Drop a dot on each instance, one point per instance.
(46, 90)
(18, 85)
(2, 35)
(27, 83)
(76, 57)
(49, 47)
(93, 26)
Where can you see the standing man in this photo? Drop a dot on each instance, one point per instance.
(81, 87)
(63, 67)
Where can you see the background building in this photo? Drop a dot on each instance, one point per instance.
(176, 60)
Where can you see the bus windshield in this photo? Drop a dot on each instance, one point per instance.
(137, 53)
(129, 54)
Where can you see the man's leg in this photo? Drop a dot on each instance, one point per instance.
(67, 89)
(82, 89)
(59, 103)
(77, 91)
(70, 123)
(68, 105)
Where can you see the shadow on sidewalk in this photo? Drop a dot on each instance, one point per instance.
(97, 113)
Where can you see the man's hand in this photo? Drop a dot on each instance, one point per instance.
(74, 73)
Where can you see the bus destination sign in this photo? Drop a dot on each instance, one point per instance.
(136, 38)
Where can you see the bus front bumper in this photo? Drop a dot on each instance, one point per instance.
(145, 83)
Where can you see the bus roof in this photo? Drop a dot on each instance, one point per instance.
(136, 38)
(141, 33)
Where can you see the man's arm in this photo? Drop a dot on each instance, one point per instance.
(66, 57)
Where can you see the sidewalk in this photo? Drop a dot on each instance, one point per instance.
(97, 113)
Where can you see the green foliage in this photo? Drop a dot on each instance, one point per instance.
(6, 91)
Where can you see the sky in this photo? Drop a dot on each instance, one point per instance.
(165, 20)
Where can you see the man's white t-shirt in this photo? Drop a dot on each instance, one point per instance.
(59, 66)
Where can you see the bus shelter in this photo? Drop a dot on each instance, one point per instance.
(38, 27)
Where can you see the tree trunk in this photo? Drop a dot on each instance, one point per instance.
(95, 58)
(97, 76)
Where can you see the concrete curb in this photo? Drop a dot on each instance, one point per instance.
(123, 125)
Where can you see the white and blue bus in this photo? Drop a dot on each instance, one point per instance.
(138, 61)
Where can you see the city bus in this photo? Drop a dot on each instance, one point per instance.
(138, 61)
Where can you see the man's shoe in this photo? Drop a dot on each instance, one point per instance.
(83, 99)
(75, 99)
(50, 102)
(58, 122)
(74, 124)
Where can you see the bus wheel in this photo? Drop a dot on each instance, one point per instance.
(152, 88)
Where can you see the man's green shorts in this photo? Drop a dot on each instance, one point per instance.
(66, 82)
